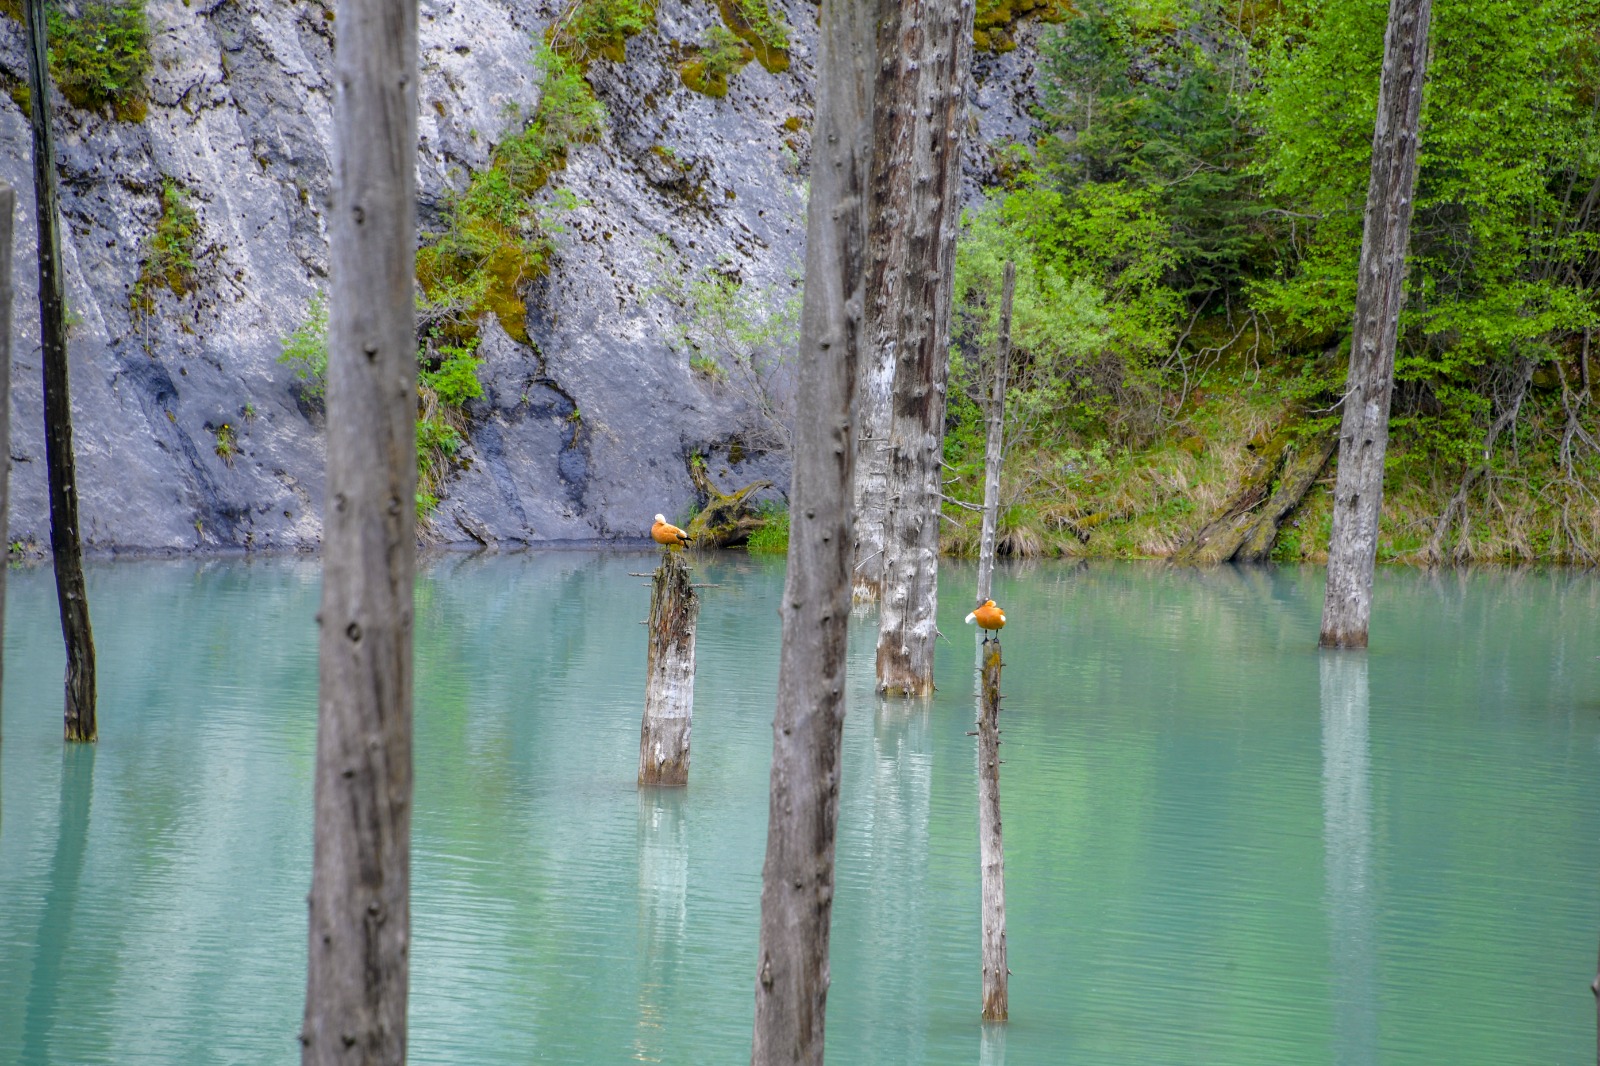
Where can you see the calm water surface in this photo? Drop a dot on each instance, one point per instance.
(1221, 846)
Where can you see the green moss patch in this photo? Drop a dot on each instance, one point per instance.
(101, 57)
(994, 19)
(755, 24)
(590, 29)
(709, 67)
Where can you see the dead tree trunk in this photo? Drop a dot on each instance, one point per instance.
(927, 44)
(360, 905)
(802, 819)
(991, 850)
(8, 210)
(66, 549)
(994, 446)
(669, 684)
(1380, 292)
(1248, 526)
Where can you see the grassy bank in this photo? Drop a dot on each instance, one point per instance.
(1084, 499)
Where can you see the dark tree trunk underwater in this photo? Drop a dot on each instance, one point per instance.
(66, 549)
(1380, 292)
(360, 920)
(8, 210)
(807, 729)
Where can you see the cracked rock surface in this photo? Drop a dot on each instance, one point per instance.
(192, 436)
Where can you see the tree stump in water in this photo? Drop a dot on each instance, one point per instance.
(991, 851)
(727, 518)
(669, 687)
(1248, 526)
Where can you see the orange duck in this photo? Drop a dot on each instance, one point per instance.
(990, 618)
(665, 533)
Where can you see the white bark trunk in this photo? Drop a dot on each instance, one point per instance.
(994, 446)
(807, 729)
(1380, 292)
(357, 972)
(931, 41)
(669, 684)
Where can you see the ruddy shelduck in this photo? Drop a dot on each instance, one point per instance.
(664, 532)
(990, 618)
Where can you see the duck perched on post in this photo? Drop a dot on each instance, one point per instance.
(990, 619)
(668, 535)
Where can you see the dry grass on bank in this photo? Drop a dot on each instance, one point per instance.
(1079, 500)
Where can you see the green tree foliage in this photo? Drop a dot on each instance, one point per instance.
(1187, 223)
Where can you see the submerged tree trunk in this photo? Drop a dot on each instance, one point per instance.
(991, 849)
(8, 210)
(669, 682)
(360, 905)
(927, 44)
(807, 730)
(994, 446)
(66, 549)
(1380, 292)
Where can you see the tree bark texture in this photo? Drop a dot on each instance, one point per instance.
(669, 682)
(994, 446)
(66, 549)
(926, 47)
(991, 849)
(797, 878)
(8, 211)
(1380, 292)
(360, 889)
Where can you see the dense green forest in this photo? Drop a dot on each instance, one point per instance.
(1186, 226)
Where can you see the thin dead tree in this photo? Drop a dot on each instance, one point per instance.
(669, 675)
(66, 549)
(360, 906)
(927, 45)
(807, 729)
(994, 446)
(991, 848)
(8, 210)
(1380, 292)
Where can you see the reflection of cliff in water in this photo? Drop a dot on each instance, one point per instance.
(1347, 842)
(663, 913)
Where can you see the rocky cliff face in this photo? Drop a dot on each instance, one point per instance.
(587, 431)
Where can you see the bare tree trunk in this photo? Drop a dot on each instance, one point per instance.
(797, 879)
(65, 548)
(360, 887)
(1380, 292)
(991, 849)
(918, 133)
(669, 682)
(994, 446)
(8, 210)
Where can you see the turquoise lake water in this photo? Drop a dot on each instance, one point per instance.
(1222, 846)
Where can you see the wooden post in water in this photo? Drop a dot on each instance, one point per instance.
(8, 208)
(66, 550)
(991, 851)
(669, 687)
(358, 968)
